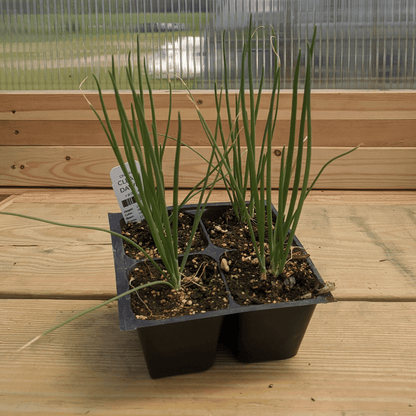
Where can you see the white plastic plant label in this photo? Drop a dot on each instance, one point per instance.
(128, 205)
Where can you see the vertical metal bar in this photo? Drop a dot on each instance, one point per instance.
(406, 37)
(399, 38)
(215, 50)
(373, 43)
(23, 42)
(233, 74)
(367, 49)
(319, 39)
(298, 5)
(173, 44)
(382, 48)
(71, 62)
(49, 49)
(90, 61)
(201, 47)
(327, 48)
(363, 46)
(45, 66)
(130, 48)
(110, 27)
(356, 22)
(75, 42)
(385, 51)
(193, 45)
(159, 44)
(285, 57)
(349, 52)
(84, 40)
(105, 25)
(63, 47)
(152, 43)
(339, 25)
(96, 52)
(256, 39)
(334, 41)
(12, 40)
(209, 37)
(165, 43)
(138, 14)
(231, 27)
(29, 41)
(58, 50)
(313, 13)
(413, 72)
(185, 56)
(180, 41)
(117, 25)
(263, 41)
(271, 54)
(122, 58)
(3, 81)
(16, 36)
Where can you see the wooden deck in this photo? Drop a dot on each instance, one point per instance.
(358, 356)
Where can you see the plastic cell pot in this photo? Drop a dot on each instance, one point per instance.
(271, 333)
(268, 332)
(178, 345)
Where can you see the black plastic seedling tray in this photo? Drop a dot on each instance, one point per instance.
(188, 344)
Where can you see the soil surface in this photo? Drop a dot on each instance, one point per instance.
(248, 288)
(242, 272)
(202, 287)
(203, 290)
(140, 234)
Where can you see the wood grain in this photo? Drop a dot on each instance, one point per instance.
(356, 358)
(14, 103)
(382, 131)
(347, 118)
(367, 250)
(71, 166)
(20, 231)
(106, 196)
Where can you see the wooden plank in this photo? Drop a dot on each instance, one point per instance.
(106, 196)
(24, 232)
(209, 114)
(379, 119)
(58, 271)
(363, 249)
(383, 131)
(367, 250)
(14, 103)
(367, 168)
(356, 358)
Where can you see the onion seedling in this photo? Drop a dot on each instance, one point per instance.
(141, 143)
(250, 172)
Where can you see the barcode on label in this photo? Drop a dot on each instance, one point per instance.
(128, 201)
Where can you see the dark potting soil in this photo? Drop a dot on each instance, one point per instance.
(202, 290)
(140, 234)
(248, 288)
(297, 281)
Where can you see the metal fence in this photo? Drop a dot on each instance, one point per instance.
(55, 44)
